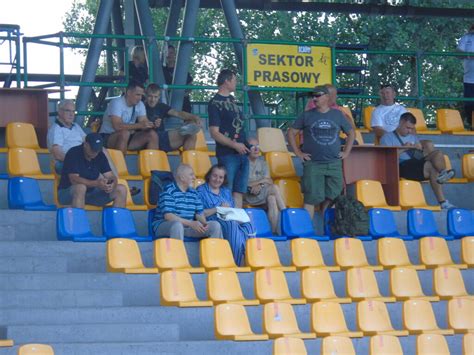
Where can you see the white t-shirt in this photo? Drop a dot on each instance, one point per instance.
(118, 107)
(387, 117)
(65, 137)
(466, 44)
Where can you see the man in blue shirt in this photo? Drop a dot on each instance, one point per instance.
(87, 178)
(180, 211)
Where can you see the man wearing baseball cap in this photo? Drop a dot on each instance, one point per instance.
(86, 177)
(321, 155)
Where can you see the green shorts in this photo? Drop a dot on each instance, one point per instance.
(321, 181)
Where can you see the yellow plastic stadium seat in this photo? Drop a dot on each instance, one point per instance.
(361, 284)
(316, 285)
(123, 255)
(421, 127)
(291, 192)
(35, 349)
(349, 253)
(24, 162)
(121, 166)
(216, 254)
(262, 253)
(201, 144)
(371, 194)
(170, 254)
(337, 345)
(468, 166)
(385, 345)
(306, 253)
(232, 323)
(373, 319)
(412, 196)
(22, 135)
(129, 203)
(150, 159)
(434, 252)
(368, 117)
(461, 315)
(279, 320)
(6, 343)
(454, 180)
(450, 121)
(199, 161)
(392, 252)
(418, 318)
(177, 289)
(271, 140)
(430, 344)
(289, 346)
(467, 250)
(223, 286)
(448, 283)
(198, 182)
(358, 136)
(146, 193)
(271, 286)
(468, 344)
(280, 165)
(405, 284)
(327, 319)
(56, 201)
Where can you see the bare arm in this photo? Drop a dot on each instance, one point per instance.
(349, 143)
(292, 132)
(186, 116)
(220, 138)
(142, 123)
(210, 211)
(57, 152)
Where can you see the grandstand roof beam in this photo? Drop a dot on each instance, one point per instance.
(117, 25)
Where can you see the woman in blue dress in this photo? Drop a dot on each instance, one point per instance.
(214, 194)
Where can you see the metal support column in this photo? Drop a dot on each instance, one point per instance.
(255, 99)
(117, 26)
(173, 17)
(146, 28)
(93, 55)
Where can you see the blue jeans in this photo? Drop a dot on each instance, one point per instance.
(237, 166)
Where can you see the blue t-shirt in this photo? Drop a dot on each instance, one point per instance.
(75, 162)
(159, 111)
(225, 114)
(391, 140)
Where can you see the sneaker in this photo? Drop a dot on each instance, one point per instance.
(446, 205)
(189, 129)
(445, 176)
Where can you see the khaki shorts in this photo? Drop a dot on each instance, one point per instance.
(321, 181)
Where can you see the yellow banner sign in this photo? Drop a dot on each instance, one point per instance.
(288, 65)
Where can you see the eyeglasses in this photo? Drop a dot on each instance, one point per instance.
(317, 95)
(68, 111)
(255, 146)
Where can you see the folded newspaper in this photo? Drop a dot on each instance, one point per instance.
(232, 214)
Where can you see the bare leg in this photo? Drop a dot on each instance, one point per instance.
(237, 199)
(436, 158)
(310, 209)
(324, 205)
(190, 142)
(147, 139)
(78, 195)
(119, 195)
(275, 191)
(431, 173)
(119, 140)
(176, 140)
(273, 212)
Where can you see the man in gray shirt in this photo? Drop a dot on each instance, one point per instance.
(419, 162)
(321, 155)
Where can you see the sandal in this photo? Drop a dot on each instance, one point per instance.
(134, 191)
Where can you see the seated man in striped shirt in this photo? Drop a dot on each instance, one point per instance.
(180, 211)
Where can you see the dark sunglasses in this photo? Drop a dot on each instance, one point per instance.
(317, 95)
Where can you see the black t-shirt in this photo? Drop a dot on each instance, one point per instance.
(159, 111)
(225, 114)
(168, 73)
(137, 74)
(75, 162)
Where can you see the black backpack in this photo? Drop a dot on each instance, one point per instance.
(350, 217)
(159, 179)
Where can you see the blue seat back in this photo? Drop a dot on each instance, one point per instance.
(151, 214)
(460, 222)
(23, 191)
(118, 223)
(259, 220)
(382, 223)
(421, 223)
(296, 222)
(72, 223)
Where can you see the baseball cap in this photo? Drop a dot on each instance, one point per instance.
(95, 141)
(320, 90)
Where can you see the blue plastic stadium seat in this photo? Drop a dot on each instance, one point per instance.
(119, 223)
(329, 219)
(460, 222)
(73, 224)
(296, 222)
(151, 213)
(24, 193)
(262, 226)
(421, 223)
(382, 224)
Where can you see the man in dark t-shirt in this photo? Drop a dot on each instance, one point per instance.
(170, 140)
(168, 72)
(86, 177)
(226, 126)
(322, 156)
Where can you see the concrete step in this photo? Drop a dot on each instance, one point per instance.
(97, 332)
(21, 264)
(58, 299)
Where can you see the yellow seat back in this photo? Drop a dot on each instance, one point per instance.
(368, 117)
(231, 320)
(460, 315)
(384, 345)
(392, 252)
(176, 286)
(361, 284)
(418, 316)
(261, 253)
(316, 284)
(21, 135)
(337, 345)
(291, 192)
(370, 193)
(35, 349)
(216, 254)
(224, 286)
(467, 250)
(429, 344)
(349, 252)
(199, 161)
(280, 165)
(170, 254)
(434, 252)
(448, 283)
(373, 317)
(306, 253)
(412, 196)
(420, 118)
(119, 161)
(122, 254)
(405, 283)
(449, 120)
(271, 140)
(289, 346)
(327, 317)
(271, 286)
(150, 159)
(468, 166)
(279, 319)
